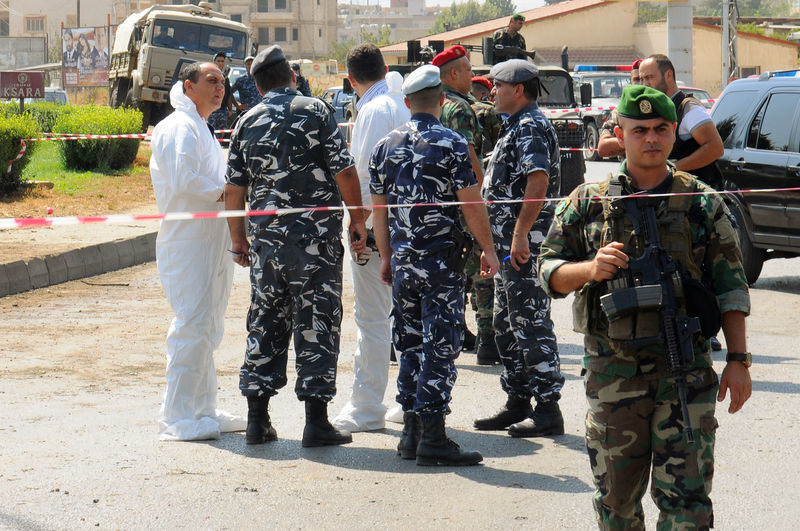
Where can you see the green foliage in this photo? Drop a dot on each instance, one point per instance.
(651, 12)
(339, 50)
(471, 12)
(44, 113)
(14, 128)
(381, 37)
(99, 154)
(751, 28)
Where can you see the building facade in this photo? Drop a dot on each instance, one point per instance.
(404, 20)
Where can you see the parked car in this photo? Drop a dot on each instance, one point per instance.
(700, 94)
(759, 122)
(339, 100)
(52, 95)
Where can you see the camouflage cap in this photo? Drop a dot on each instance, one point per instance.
(269, 56)
(643, 103)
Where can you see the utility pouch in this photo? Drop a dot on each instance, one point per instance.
(460, 251)
(703, 304)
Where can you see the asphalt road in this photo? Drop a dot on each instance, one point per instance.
(81, 366)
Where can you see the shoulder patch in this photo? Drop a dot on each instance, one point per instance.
(562, 206)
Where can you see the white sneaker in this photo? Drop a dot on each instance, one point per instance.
(395, 414)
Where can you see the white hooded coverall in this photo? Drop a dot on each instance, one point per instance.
(188, 168)
(372, 298)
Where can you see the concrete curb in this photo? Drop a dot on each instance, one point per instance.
(33, 273)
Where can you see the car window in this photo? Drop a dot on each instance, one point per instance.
(771, 129)
(328, 96)
(728, 111)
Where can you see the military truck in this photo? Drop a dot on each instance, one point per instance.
(151, 46)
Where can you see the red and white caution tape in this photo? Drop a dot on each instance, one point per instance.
(19, 156)
(12, 223)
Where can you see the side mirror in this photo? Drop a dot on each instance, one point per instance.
(347, 88)
(586, 94)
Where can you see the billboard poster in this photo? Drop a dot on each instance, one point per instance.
(85, 56)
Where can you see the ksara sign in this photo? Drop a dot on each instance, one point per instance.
(21, 85)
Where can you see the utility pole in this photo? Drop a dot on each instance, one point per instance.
(79, 13)
(730, 62)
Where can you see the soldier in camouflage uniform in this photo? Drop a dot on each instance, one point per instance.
(458, 115)
(634, 422)
(422, 257)
(287, 152)
(510, 37)
(525, 165)
(488, 118)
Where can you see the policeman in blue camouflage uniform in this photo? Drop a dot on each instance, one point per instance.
(287, 152)
(635, 423)
(458, 114)
(524, 165)
(249, 95)
(422, 255)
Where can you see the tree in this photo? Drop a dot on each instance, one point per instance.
(381, 36)
(472, 12)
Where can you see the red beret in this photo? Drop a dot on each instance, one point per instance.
(483, 81)
(454, 52)
(635, 65)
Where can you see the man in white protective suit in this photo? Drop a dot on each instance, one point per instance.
(188, 172)
(380, 110)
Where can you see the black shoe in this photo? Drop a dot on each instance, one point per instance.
(259, 427)
(468, 345)
(487, 349)
(515, 410)
(318, 431)
(546, 420)
(716, 346)
(435, 449)
(407, 447)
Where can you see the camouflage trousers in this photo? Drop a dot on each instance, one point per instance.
(634, 424)
(480, 291)
(428, 310)
(524, 333)
(294, 291)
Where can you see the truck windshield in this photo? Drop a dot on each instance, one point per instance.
(555, 91)
(201, 38)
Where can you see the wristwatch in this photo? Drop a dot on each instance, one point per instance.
(744, 357)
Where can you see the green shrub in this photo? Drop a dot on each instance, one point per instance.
(46, 114)
(13, 129)
(99, 154)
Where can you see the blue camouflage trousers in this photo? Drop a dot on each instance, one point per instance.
(524, 333)
(428, 310)
(295, 290)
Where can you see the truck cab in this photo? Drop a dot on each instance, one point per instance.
(151, 46)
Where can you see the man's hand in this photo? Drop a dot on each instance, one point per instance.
(520, 251)
(241, 252)
(608, 260)
(489, 264)
(358, 236)
(386, 271)
(735, 377)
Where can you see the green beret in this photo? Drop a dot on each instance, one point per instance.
(517, 16)
(643, 103)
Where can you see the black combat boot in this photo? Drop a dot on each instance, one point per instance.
(468, 345)
(259, 427)
(515, 410)
(546, 420)
(409, 439)
(436, 449)
(487, 349)
(318, 431)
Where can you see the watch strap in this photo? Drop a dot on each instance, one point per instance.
(744, 357)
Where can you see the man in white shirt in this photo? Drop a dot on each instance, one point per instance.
(188, 172)
(380, 110)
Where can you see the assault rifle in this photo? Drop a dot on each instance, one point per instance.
(650, 283)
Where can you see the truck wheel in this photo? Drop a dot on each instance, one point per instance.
(752, 257)
(131, 102)
(592, 137)
(118, 93)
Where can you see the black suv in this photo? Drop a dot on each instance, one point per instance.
(759, 122)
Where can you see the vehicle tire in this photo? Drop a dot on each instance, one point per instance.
(118, 93)
(752, 257)
(132, 103)
(592, 137)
